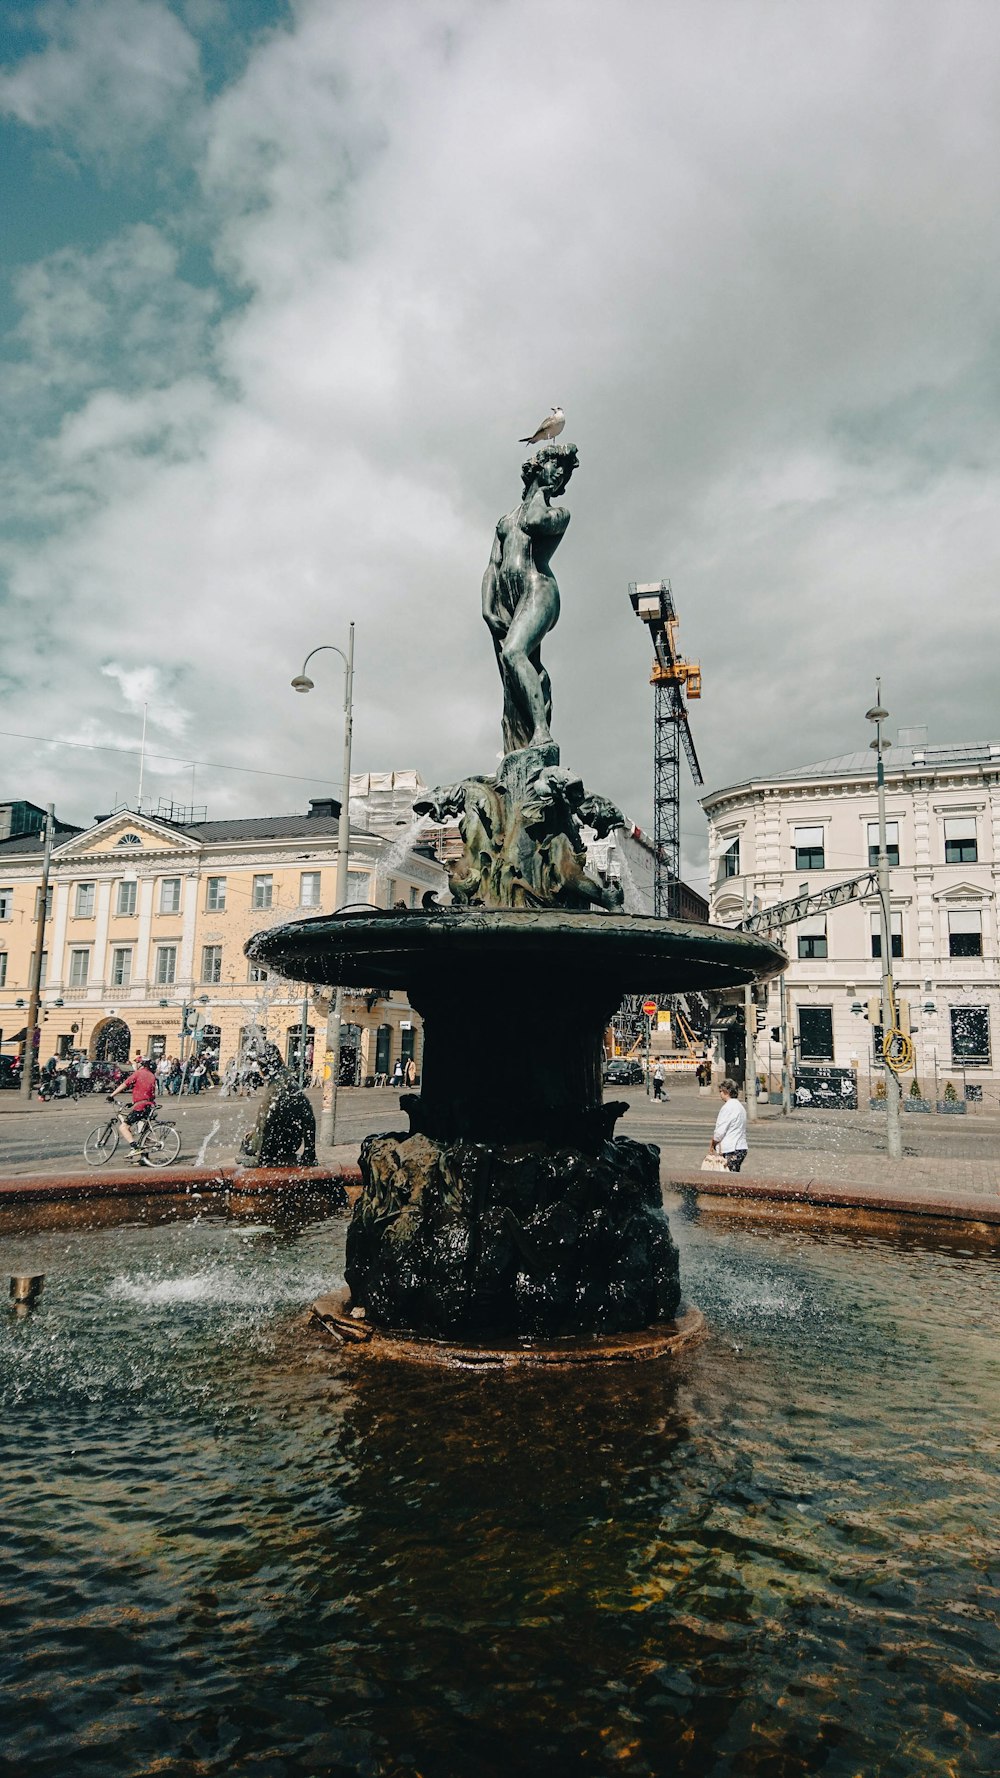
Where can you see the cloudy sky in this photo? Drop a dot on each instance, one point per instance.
(284, 280)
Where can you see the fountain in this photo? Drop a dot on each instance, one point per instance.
(510, 1211)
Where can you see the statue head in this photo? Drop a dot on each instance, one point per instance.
(550, 468)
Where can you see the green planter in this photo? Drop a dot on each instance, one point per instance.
(951, 1107)
(916, 1105)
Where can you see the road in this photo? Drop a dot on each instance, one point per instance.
(42, 1138)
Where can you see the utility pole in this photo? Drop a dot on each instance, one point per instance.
(786, 1072)
(35, 968)
(750, 1045)
(894, 1140)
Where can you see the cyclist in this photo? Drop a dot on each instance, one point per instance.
(142, 1082)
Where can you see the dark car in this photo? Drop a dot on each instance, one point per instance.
(10, 1073)
(622, 1073)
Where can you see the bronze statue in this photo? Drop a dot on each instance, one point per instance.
(521, 594)
(284, 1134)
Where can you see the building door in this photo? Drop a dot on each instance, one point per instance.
(293, 1046)
(383, 1049)
(350, 1055)
(110, 1041)
(735, 1046)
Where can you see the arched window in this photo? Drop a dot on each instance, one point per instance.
(731, 860)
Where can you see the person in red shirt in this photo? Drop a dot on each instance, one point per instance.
(143, 1085)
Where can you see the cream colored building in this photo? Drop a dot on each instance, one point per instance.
(147, 923)
(771, 838)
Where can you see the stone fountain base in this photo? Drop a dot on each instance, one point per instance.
(474, 1239)
(333, 1315)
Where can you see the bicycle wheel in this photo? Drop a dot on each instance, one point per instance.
(163, 1146)
(101, 1144)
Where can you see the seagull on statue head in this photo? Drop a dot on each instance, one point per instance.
(549, 428)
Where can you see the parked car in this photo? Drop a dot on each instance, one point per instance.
(10, 1073)
(620, 1072)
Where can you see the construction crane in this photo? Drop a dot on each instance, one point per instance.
(672, 678)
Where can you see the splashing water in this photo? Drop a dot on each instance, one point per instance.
(392, 859)
(203, 1150)
(634, 903)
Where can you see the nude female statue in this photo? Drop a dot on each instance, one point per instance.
(521, 595)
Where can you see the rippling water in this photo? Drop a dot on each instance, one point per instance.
(229, 1549)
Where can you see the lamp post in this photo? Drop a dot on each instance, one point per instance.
(35, 967)
(894, 1141)
(331, 1068)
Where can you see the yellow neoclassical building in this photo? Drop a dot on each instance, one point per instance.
(148, 917)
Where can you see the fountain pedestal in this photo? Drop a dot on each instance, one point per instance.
(509, 1209)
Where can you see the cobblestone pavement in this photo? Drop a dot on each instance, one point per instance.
(940, 1153)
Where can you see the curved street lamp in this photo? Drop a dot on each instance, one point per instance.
(334, 1023)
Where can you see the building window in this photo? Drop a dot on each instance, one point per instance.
(166, 965)
(809, 853)
(357, 886)
(215, 895)
(121, 967)
(170, 895)
(414, 897)
(731, 860)
(3, 969)
(965, 934)
(812, 938)
(129, 839)
(126, 897)
(6, 904)
(85, 897)
(309, 881)
(816, 1033)
(960, 839)
(970, 1036)
(79, 968)
(263, 891)
(896, 933)
(891, 843)
(211, 963)
(43, 969)
(257, 973)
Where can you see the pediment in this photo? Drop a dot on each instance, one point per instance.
(128, 837)
(964, 892)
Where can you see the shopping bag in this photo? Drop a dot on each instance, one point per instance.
(714, 1163)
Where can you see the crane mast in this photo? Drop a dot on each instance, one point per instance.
(673, 678)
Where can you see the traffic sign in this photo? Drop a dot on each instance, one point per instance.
(650, 1008)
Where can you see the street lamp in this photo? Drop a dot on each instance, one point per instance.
(334, 1023)
(894, 1141)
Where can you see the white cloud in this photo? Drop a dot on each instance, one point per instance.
(111, 75)
(751, 251)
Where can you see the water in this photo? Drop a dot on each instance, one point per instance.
(230, 1548)
(392, 859)
(634, 902)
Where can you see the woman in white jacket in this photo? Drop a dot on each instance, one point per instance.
(729, 1137)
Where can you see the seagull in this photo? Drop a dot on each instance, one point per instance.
(549, 428)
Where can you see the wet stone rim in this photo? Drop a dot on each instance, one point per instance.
(665, 1341)
(386, 948)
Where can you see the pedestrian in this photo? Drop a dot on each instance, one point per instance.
(197, 1077)
(658, 1079)
(397, 1073)
(411, 1073)
(729, 1138)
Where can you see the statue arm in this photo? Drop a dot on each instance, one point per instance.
(490, 612)
(539, 519)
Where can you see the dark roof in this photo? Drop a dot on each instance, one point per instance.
(34, 842)
(261, 827)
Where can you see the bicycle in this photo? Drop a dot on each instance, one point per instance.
(158, 1143)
